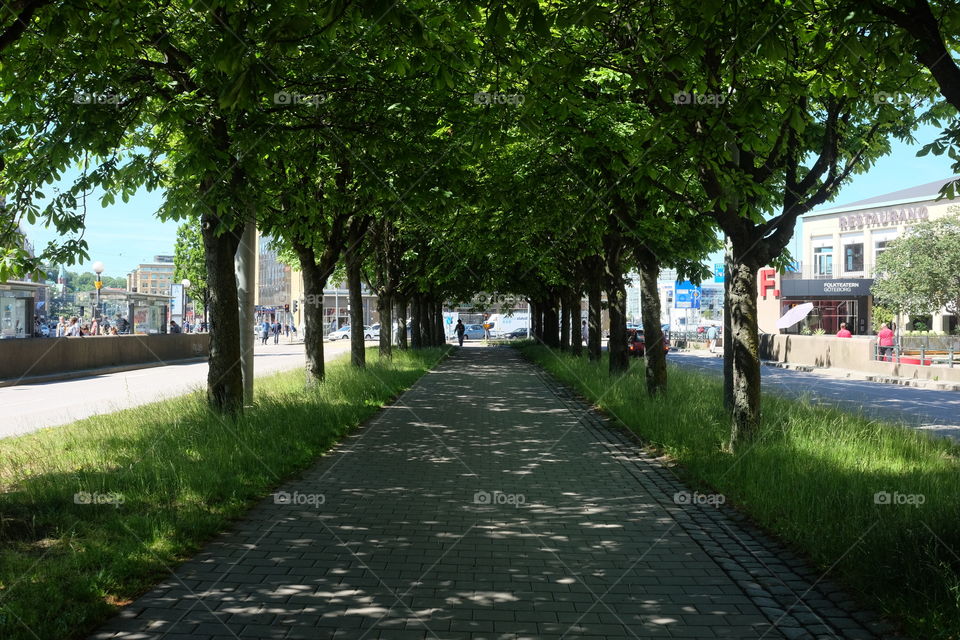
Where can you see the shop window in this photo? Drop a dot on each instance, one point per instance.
(853, 257)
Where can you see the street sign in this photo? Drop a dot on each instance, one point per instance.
(687, 295)
(718, 272)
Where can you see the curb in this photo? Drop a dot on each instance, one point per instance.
(88, 373)
(867, 377)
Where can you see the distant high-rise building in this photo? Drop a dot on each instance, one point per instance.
(152, 277)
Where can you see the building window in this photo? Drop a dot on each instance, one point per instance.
(853, 257)
(881, 246)
(823, 262)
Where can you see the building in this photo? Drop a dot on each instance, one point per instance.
(708, 305)
(839, 250)
(280, 296)
(273, 279)
(152, 278)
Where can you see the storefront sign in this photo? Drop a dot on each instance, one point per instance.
(852, 288)
(766, 280)
(884, 218)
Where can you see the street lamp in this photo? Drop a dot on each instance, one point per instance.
(97, 269)
(186, 285)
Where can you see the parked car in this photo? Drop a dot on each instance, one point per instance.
(637, 347)
(343, 333)
(474, 332)
(515, 334)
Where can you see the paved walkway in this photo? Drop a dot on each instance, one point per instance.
(488, 503)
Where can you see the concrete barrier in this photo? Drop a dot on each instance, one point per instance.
(856, 354)
(45, 356)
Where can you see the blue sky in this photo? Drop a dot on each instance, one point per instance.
(125, 234)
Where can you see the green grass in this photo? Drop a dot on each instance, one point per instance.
(811, 480)
(182, 474)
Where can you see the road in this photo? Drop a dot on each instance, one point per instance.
(29, 407)
(928, 410)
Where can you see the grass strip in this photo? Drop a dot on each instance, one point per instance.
(93, 513)
(876, 503)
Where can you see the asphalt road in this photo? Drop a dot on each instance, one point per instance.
(929, 410)
(29, 407)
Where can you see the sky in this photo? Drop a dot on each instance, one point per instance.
(125, 234)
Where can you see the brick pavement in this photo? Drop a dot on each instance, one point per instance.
(487, 502)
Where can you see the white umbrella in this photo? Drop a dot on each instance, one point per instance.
(795, 315)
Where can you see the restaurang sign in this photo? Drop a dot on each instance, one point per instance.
(883, 218)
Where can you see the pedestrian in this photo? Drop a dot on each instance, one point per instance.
(113, 331)
(174, 327)
(276, 333)
(584, 332)
(293, 330)
(712, 337)
(94, 327)
(62, 327)
(459, 330)
(885, 340)
(73, 329)
(264, 331)
(844, 332)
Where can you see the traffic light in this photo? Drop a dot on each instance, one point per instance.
(286, 307)
(295, 305)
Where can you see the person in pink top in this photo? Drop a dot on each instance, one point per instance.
(885, 337)
(844, 332)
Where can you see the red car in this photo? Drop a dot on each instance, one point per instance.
(635, 343)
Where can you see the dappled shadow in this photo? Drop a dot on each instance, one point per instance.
(478, 503)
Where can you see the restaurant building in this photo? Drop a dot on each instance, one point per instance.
(839, 250)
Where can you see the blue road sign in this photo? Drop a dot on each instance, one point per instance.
(686, 295)
(718, 272)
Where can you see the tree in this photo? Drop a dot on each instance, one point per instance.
(919, 272)
(189, 263)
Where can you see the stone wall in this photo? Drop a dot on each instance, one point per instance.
(845, 353)
(43, 356)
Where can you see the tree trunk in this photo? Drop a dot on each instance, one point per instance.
(565, 317)
(536, 321)
(617, 343)
(656, 357)
(441, 331)
(429, 330)
(576, 339)
(313, 284)
(385, 311)
(358, 353)
(416, 338)
(595, 337)
(401, 322)
(746, 359)
(551, 322)
(727, 336)
(224, 377)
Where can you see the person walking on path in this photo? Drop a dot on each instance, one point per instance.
(885, 337)
(264, 331)
(62, 327)
(459, 330)
(844, 332)
(712, 337)
(584, 333)
(276, 333)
